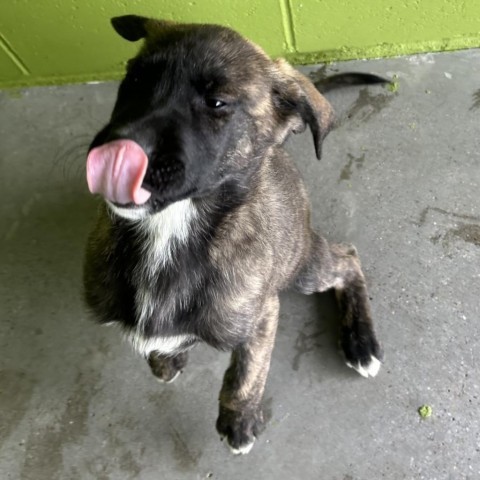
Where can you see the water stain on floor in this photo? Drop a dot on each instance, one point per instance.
(469, 233)
(13, 407)
(307, 341)
(347, 171)
(422, 219)
(186, 457)
(44, 447)
(367, 105)
(476, 100)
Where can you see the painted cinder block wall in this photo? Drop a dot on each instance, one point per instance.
(59, 41)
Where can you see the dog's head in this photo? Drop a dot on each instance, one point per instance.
(199, 106)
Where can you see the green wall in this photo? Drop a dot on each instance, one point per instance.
(58, 41)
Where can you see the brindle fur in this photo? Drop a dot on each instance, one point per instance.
(250, 235)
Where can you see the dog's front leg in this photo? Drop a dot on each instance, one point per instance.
(337, 266)
(240, 418)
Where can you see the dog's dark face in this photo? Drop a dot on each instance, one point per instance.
(198, 107)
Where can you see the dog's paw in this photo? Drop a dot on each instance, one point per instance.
(361, 351)
(366, 369)
(240, 428)
(167, 369)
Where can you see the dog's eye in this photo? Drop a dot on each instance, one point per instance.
(214, 103)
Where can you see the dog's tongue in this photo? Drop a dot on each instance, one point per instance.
(116, 170)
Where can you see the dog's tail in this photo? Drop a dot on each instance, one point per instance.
(348, 79)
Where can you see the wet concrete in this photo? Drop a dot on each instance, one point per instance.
(399, 178)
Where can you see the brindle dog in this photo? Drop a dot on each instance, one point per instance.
(206, 217)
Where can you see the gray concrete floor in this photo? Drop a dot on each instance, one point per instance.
(399, 178)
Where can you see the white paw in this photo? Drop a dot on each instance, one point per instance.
(369, 370)
(243, 450)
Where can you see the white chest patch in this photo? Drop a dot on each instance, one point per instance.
(161, 232)
(160, 229)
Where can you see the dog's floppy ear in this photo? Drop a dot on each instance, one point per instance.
(135, 27)
(299, 104)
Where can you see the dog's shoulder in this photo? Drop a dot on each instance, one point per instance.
(257, 235)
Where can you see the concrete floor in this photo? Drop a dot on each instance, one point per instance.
(400, 178)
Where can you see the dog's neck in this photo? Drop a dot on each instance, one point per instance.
(173, 226)
(160, 230)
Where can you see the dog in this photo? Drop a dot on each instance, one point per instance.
(206, 218)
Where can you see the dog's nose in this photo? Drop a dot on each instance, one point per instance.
(165, 173)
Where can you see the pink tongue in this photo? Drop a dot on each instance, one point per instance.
(116, 170)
